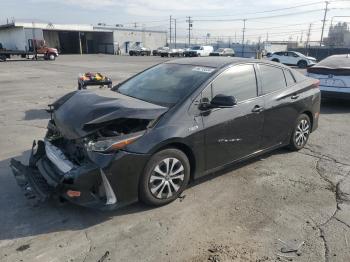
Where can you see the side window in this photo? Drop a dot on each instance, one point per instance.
(272, 78)
(238, 81)
(289, 78)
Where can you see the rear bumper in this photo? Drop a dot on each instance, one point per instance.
(104, 182)
(335, 95)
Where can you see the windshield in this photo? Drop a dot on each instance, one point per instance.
(220, 50)
(195, 47)
(166, 84)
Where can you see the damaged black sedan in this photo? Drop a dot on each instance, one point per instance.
(170, 124)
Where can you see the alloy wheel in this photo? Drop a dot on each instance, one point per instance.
(302, 133)
(167, 178)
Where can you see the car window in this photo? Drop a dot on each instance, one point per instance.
(279, 53)
(272, 78)
(289, 77)
(238, 81)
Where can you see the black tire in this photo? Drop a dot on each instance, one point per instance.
(147, 188)
(275, 60)
(2, 58)
(294, 143)
(302, 64)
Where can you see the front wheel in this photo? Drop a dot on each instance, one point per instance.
(165, 177)
(301, 133)
(302, 64)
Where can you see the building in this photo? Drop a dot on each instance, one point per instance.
(78, 38)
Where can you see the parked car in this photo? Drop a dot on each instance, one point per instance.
(159, 50)
(223, 52)
(172, 52)
(293, 58)
(194, 51)
(334, 75)
(166, 126)
(139, 51)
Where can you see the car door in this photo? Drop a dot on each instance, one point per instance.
(279, 113)
(235, 132)
(293, 58)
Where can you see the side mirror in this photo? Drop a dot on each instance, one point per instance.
(222, 101)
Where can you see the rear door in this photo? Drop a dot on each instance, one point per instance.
(280, 97)
(232, 133)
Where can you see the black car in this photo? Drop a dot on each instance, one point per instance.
(165, 127)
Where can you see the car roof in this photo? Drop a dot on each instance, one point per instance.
(216, 62)
(335, 61)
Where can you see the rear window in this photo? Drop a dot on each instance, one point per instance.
(272, 78)
(299, 77)
(289, 77)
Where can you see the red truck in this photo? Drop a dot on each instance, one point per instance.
(37, 48)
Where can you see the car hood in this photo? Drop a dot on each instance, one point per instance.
(311, 58)
(81, 113)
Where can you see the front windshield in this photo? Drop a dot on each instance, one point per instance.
(166, 84)
(196, 48)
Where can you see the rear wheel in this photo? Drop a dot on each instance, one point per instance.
(165, 177)
(300, 133)
(302, 64)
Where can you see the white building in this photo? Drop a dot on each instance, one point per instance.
(77, 38)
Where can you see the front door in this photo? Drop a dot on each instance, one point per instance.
(232, 133)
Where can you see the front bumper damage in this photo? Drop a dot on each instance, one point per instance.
(106, 181)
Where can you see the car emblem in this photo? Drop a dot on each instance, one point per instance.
(330, 76)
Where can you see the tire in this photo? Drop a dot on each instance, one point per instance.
(275, 60)
(302, 127)
(52, 57)
(302, 64)
(2, 58)
(154, 186)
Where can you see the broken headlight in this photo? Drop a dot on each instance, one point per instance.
(113, 143)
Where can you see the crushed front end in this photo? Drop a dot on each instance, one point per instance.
(59, 167)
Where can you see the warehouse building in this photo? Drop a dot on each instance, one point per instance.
(80, 39)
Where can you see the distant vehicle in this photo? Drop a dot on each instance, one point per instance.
(223, 52)
(194, 51)
(293, 58)
(159, 50)
(139, 51)
(37, 48)
(334, 75)
(171, 52)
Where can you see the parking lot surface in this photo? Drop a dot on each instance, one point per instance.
(250, 212)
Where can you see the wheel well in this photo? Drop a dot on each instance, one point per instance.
(275, 60)
(302, 61)
(309, 114)
(188, 152)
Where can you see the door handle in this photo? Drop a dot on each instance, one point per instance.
(294, 97)
(257, 109)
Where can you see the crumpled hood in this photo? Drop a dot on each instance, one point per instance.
(81, 113)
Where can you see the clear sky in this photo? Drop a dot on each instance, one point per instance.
(225, 16)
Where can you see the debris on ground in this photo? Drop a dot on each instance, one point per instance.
(104, 257)
(23, 247)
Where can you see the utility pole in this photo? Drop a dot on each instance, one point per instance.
(267, 36)
(135, 24)
(175, 31)
(170, 33)
(308, 35)
(324, 21)
(189, 30)
(244, 20)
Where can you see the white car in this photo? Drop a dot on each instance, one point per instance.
(293, 58)
(334, 75)
(203, 50)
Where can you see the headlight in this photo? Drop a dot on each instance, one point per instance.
(112, 144)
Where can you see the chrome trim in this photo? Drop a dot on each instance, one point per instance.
(57, 157)
(111, 198)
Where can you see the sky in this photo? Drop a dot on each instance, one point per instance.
(221, 20)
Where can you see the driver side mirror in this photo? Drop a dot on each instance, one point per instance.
(222, 101)
(219, 101)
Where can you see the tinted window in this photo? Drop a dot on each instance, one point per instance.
(166, 84)
(238, 81)
(272, 78)
(289, 78)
